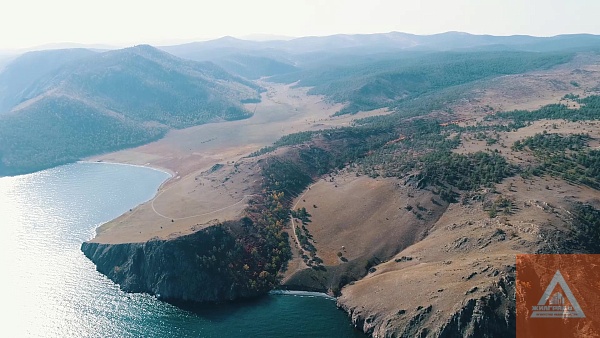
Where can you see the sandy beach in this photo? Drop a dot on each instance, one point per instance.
(198, 195)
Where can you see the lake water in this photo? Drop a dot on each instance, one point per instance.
(49, 288)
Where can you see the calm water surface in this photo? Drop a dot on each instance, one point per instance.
(49, 288)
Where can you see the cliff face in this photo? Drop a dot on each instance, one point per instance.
(459, 281)
(200, 267)
(489, 315)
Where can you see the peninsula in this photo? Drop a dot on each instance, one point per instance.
(399, 173)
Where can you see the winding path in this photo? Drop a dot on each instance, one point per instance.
(292, 217)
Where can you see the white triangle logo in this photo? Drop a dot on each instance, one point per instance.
(552, 305)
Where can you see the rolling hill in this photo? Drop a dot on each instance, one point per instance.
(249, 59)
(101, 102)
(396, 80)
(254, 67)
(443, 189)
(360, 44)
(369, 71)
(20, 75)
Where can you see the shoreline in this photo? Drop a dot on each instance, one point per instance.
(284, 292)
(94, 232)
(156, 168)
(148, 166)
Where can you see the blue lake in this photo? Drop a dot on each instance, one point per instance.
(51, 290)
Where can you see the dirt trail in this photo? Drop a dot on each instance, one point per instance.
(196, 197)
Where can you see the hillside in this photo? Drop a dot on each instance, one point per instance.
(318, 58)
(394, 81)
(458, 196)
(18, 76)
(108, 101)
(254, 67)
(370, 71)
(411, 214)
(358, 44)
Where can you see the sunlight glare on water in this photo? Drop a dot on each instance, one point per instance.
(50, 289)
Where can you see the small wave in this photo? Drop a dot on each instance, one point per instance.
(301, 293)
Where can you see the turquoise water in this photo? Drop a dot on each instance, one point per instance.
(51, 290)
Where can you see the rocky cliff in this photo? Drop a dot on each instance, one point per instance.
(200, 267)
(489, 315)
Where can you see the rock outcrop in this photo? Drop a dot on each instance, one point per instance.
(191, 268)
(487, 314)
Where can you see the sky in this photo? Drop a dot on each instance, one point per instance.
(27, 23)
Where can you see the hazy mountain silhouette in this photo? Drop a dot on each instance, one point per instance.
(19, 76)
(88, 103)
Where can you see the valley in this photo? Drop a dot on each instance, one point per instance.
(197, 196)
(400, 257)
(391, 171)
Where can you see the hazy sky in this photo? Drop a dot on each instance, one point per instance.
(25, 23)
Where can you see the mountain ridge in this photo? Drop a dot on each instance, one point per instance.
(403, 41)
(131, 96)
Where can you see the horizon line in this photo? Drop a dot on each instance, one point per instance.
(276, 37)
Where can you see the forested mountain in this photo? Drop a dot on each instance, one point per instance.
(254, 67)
(147, 84)
(5, 58)
(134, 95)
(397, 79)
(464, 177)
(250, 59)
(384, 42)
(321, 60)
(19, 76)
(108, 101)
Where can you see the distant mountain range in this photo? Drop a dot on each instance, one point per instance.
(20, 76)
(60, 105)
(385, 42)
(254, 59)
